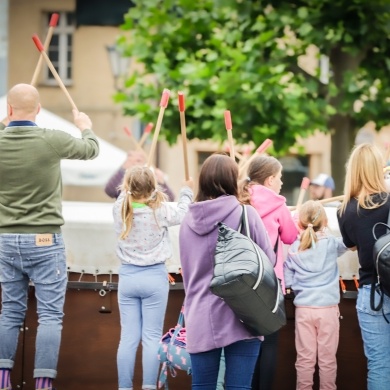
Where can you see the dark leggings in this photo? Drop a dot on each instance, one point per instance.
(263, 377)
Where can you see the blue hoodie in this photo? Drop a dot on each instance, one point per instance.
(313, 273)
(210, 323)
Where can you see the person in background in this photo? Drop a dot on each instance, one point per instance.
(134, 158)
(31, 244)
(211, 325)
(141, 219)
(261, 189)
(321, 187)
(311, 271)
(366, 202)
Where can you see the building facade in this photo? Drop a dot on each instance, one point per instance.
(78, 50)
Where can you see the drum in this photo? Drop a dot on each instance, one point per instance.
(91, 328)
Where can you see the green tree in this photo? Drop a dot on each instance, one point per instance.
(243, 56)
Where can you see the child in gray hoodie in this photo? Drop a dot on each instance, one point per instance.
(311, 271)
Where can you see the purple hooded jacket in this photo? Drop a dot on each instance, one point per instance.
(210, 323)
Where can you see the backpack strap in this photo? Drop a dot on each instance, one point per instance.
(244, 224)
(375, 285)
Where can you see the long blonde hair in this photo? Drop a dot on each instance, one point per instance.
(364, 177)
(139, 183)
(312, 218)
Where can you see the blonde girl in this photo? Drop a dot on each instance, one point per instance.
(366, 202)
(141, 221)
(311, 271)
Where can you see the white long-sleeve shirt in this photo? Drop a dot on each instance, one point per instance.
(148, 241)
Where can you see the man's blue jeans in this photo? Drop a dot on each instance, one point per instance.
(21, 261)
(240, 358)
(376, 338)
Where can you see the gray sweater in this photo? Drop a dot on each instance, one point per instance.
(313, 273)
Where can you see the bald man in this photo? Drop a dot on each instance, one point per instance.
(31, 243)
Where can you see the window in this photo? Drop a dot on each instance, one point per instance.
(60, 48)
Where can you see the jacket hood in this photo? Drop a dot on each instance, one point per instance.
(264, 200)
(311, 260)
(202, 217)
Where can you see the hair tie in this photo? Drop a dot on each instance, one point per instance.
(128, 192)
(311, 232)
(248, 179)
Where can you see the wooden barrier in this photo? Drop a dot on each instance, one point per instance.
(91, 330)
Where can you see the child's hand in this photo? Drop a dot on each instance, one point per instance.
(189, 183)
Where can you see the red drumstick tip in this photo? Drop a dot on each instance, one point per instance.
(54, 20)
(305, 183)
(182, 106)
(228, 120)
(264, 146)
(148, 127)
(127, 131)
(165, 98)
(37, 42)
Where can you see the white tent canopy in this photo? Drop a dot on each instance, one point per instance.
(76, 172)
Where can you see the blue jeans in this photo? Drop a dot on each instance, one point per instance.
(376, 339)
(21, 261)
(240, 358)
(142, 298)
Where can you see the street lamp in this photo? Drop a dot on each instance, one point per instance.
(119, 64)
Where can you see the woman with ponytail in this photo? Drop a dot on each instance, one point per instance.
(141, 220)
(311, 271)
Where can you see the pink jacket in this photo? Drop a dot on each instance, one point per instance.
(277, 219)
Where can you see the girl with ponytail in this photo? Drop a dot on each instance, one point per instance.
(261, 189)
(311, 271)
(141, 220)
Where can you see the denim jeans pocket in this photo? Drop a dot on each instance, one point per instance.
(363, 302)
(7, 269)
(47, 266)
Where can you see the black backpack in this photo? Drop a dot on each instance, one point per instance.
(245, 279)
(381, 256)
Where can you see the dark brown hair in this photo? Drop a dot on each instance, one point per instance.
(218, 176)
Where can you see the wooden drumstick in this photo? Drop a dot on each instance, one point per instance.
(261, 149)
(52, 24)
(332, 199)
(39, 46)
(163, 106)
(244, 156)
(133, 141)
(229, 128)
(237, 154)
(304, 186)
(145, 135)
(182, 109)
(324, 201)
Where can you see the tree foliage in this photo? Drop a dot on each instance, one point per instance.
(243, 55)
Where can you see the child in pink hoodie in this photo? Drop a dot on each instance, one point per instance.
(261, 189)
